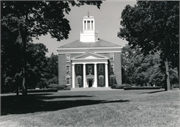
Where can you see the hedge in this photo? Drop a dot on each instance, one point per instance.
(41, 90)
(59, 87)
(142, 87)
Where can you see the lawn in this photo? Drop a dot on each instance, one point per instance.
(113, 108)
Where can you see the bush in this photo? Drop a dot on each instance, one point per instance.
(119, 87)
(59, 87)
(40, 90)
(115, 86)
(142, 87)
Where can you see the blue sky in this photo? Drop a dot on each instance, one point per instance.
(107, 23)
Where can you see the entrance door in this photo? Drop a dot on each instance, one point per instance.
(90, 82)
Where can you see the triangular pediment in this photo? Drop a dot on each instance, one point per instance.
(90, 55)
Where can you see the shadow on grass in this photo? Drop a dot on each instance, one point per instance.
(155, 91)
(36, 103)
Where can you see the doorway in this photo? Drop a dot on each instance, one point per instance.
(90, 82)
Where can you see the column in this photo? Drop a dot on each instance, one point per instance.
(86, 24)
(90, 24)
(73, 76)
(95, 74)
(106, 75)
(83, 24)
(84, 75)
(93, 24)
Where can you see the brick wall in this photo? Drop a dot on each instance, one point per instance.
(62, 69)
(117, 68)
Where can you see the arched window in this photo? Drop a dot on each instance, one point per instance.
(67, 81)
(79, 81)
(101, 79)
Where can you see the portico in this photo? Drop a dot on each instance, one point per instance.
(90, 77)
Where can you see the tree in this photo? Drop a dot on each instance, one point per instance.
(32, 19)
(52, 69)
(143, 70)
(153, 26)
(36, 64)
(11, 67)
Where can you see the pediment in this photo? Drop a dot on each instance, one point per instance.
(90, 55)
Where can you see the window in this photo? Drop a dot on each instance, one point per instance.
(112, 67)
(101, 79)
(112, 80)
(79, 81)
(78, 68)
(67, 58)
(67, 69)
(68, 81)
(89, 69)
(111, 56)
(100, 68)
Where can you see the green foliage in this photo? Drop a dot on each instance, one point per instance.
(144, 70)
(22, 20)
(12, 73)
(59, 87)
(52, 69)
(153, 26)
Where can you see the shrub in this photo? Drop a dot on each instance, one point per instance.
(59, 87)
(119, 87)
(116, 86)
(142, 87)
(113, 86)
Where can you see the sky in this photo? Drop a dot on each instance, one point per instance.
(107, 23)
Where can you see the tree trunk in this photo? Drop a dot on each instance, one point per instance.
(17, 89)
(178, 76)
(167, 82)
(23, 32)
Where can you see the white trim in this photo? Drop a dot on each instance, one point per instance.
(88, 48)
(84, 52)
(89, 54)
(94, 50)
(106, 75)
(89, 62)
(73, 75)
(84, 75)
(95, 75)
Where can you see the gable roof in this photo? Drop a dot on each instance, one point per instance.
(79, 44)
(90, 55)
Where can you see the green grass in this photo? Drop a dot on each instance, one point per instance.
(119, 108)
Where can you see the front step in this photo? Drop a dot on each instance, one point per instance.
(91, 89)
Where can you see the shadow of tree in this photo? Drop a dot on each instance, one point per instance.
(36, 103)
(154, 91)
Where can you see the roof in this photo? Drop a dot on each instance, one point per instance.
(88, 17)
(90, 55)
(79, 44)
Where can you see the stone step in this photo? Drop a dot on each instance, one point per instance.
(91, 89)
